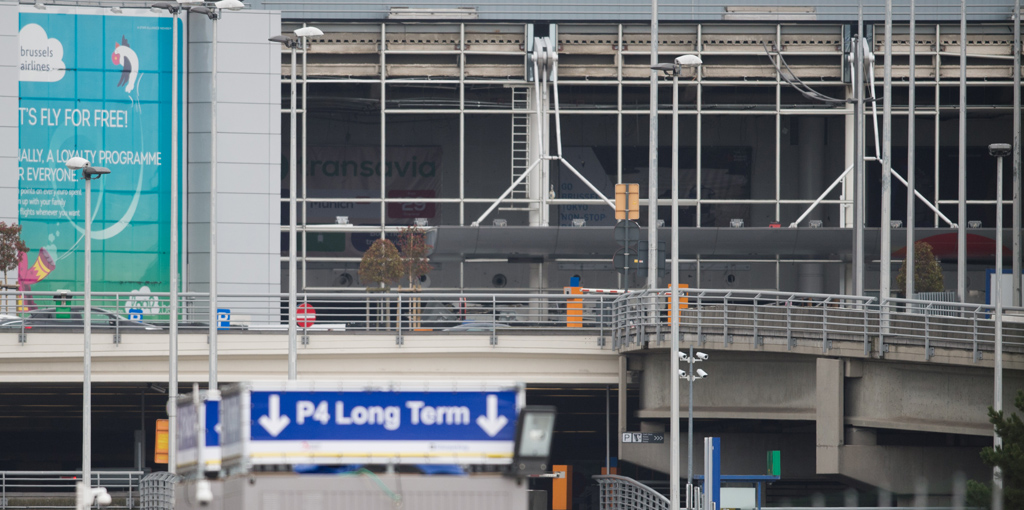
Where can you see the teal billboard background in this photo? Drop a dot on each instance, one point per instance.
(97, 85)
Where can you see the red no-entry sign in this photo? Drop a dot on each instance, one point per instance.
(305, 315)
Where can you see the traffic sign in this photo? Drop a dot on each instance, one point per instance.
(305, 315)
(624, 229)
(642, 437)
(330, 423)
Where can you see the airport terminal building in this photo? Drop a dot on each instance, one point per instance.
(502, 130)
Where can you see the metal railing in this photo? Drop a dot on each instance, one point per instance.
(56, 489)
(401, 312)
(624, 493)
(156, 491)
(634, 319)
(641, 318)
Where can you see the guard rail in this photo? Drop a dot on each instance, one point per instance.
(631, 320)
(56, 489)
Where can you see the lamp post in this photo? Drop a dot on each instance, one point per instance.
(88, 174)
(999, 150)
(675, 69)
(214, 13)
(302, 33)
(172, 353)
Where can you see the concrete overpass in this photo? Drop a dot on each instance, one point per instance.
(866, 392)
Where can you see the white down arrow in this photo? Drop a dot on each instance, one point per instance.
(493, 422)
(273, 421)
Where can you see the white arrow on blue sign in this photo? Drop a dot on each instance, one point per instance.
(289, 424)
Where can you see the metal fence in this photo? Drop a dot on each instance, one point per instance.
(641, 318)
(401, 312)
(624, 493)
(632, 319)
(156, 491)
(56, 489)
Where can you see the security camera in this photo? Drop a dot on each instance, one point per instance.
(682, 374)
(701, 356)
(683, 356)
(86, 497)
(204, 494)
(102, 498)
(702, 374)
(999, 150)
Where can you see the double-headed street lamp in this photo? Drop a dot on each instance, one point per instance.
(89, 173)
(214, 12)
(302, 34)
(675, 69)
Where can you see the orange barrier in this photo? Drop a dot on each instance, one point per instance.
(574, 309)
(684, 300)
(561, 488)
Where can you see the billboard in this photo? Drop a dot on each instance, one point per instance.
(95, 84)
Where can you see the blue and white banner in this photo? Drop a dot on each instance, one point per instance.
(97, 85)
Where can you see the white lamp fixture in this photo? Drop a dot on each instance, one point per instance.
(688, 61)
(229, 5)
(308, 32)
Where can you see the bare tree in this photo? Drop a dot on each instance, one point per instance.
(412, 242)
(11, 248)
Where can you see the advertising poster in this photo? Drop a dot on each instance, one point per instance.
(340, 172)
(95, 84)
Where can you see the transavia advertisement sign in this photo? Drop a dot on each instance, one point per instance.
(344, 423)
(97, 85)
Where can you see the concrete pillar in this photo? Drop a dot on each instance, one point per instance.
(812, 169)
(829, 415)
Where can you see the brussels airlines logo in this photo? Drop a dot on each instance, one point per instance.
(129, 62)
(42, 57)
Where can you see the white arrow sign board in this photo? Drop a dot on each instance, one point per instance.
(300, 422)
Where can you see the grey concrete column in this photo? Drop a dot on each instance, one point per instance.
(829, 430)
(812, 168)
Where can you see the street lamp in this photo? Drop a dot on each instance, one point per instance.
(89, 173)
(302, 33)
(999, 150)
(172, 354)
(214, 14)
(675, 69)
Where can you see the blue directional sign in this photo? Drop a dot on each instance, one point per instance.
(310, 423)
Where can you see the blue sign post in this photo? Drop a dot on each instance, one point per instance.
(314, 423)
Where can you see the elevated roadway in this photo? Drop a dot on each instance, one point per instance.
(867, 392)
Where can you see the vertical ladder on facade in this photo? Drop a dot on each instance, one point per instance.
(520, 146)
